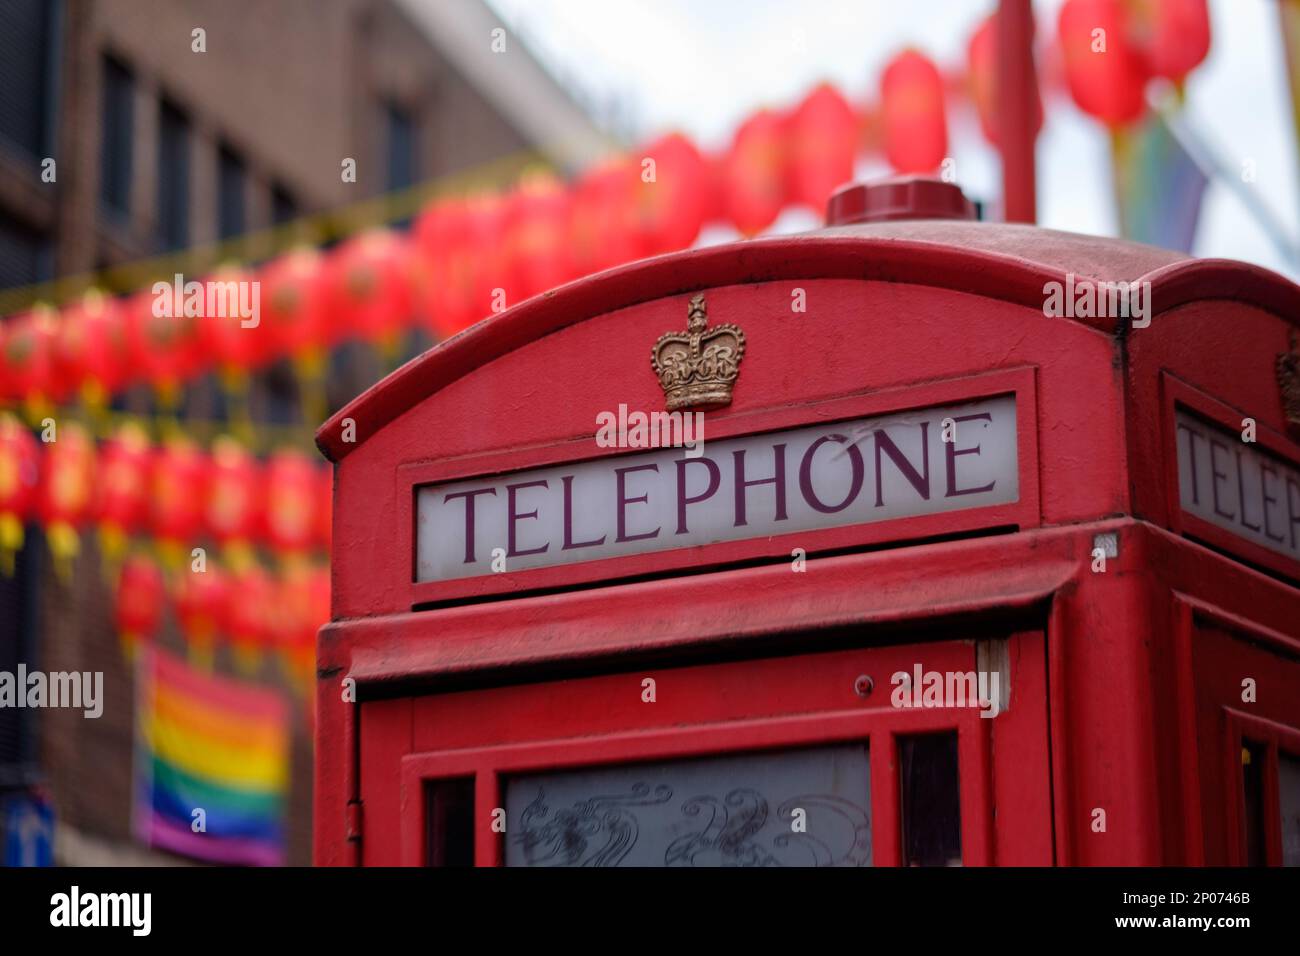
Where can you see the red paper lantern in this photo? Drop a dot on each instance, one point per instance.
(754, 177)
(982, 67)
(603, 218)
(291, 502)
(65, 495)
(122, 489)
(302, 608)
(293, 303)
(19, 474)
(536, 255)
(232, 507)
(92, 348)
(202, 603)
(823, 141)
(369, 286)
(163, 342)
(177, 492)
(458, 242)
(137, 609)
(232, 322)
(27, 352)
(915, 124)
(1104, 68)
(672, 208)
(1174, 35)
(250, 601)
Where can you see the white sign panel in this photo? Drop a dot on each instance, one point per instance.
(820, 476)
(1237, 485)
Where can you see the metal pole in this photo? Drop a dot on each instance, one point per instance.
(1016, 88)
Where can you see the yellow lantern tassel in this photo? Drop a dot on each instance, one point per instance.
(130, 643)
(11, 542)
(202, 651)
(238, 556)
(112, 549)
(310, 367)
(65, 545)
(248, 659)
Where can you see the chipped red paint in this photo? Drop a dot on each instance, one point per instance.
(1122, 682)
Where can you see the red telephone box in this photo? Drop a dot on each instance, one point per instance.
(977, 559)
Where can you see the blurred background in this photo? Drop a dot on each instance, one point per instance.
(388, 172)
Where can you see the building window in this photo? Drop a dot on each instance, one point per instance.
(27, 62)
(19, 605)
(173, 178)
(25, 256)
(402, 159)
(116, 137)
(231, 177)
(283, 208)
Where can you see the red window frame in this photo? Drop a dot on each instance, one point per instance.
(1178, 394)
(1275, 737)
(1214, 649)
(601, 729)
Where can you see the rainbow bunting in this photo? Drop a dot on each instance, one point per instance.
(212, 744)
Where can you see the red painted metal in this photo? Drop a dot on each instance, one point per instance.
(1018, 113)
(1125, 683)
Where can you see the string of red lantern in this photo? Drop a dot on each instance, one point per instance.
(467, 257)
(255, 612)
(175, 494)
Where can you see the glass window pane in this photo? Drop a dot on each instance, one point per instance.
(449, 816)
(1288, 779)
(931, 800)
(795, 808)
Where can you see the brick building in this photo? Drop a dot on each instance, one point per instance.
(173, 157)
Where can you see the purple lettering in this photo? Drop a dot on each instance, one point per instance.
(511, 550)
(805, 475)
(952, 451)
(1292, 506)
(624, 501)
(569, 543)
(1191, 457)
(1241, 495)
(715, 479)
(1263, 490)
(886, 444)
(1214, 484)
(778, 479)
(469, 517)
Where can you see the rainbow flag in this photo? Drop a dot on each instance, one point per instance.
(1158, 185)
(212, 764)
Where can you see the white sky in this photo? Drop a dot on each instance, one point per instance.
(702, 66)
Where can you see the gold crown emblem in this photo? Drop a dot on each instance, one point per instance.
(699, 366)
